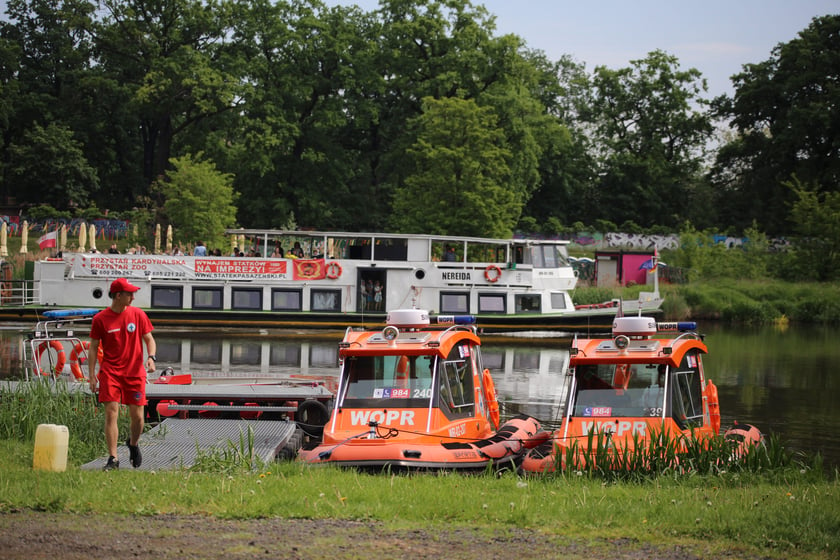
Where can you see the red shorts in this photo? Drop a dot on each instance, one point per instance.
(122, 389)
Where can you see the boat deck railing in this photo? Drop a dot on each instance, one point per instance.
(45, 349)
(17, 293)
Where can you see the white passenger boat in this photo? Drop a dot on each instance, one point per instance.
(342, 279)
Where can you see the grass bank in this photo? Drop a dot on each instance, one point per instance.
(750, 302)
(779, 515)
(776, 513)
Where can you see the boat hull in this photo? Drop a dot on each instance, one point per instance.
(502, 450)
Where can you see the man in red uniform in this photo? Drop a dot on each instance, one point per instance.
(121, 330)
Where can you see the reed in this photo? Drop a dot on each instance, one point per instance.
(22, 409)
(665, 454)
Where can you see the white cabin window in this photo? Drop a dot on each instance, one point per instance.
(207, 298)
(454, 302)
(246, 298)
(526, 303)
(326, 300)
(558, 300)
(286, 300)
(491, 303)
(168, 297)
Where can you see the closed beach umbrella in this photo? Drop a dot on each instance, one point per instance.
(168, 239)
(92, 235)
(63, 238)
(157, 238)
(24, 236)
(4, 234)
(82, 237)
(242, 242)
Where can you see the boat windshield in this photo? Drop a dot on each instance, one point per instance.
(396, 381)
(620, 390)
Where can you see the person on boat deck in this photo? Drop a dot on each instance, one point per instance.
(278, 252)
(200, 249)
(297, 250)
(449, 255)
(652, 396)
(120, 331)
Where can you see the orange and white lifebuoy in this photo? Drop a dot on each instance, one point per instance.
(60, 357)
(79, 356)
(333, 270)
(490, 398)
(492, 273)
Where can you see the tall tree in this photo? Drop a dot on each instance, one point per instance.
(303, 141)
(787, 117)
(650, 127)
(171, 55)
(459, 174)
(200, 200)
(45, 57)
(65, 181)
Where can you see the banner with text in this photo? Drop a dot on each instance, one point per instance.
(177, 267)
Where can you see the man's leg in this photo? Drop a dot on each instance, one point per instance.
(112, 412)
(136, 414)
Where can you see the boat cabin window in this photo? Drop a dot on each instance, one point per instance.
(286, 300)
(246, 298)
(168, 297)
(325, 300)
(547, 256)
(688, 392)
(207, 298)
(454, 302)
(620, 390)
(527, 302)
(456, 382)
(491, 303)
(396, 381)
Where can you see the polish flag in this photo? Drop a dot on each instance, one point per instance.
(48, 240)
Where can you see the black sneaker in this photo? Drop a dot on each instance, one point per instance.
(135, 457)
(112, 464)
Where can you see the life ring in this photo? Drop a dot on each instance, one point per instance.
(492, 273)
(333, 270)
(79, 356)
(490, 398)
(60, 357)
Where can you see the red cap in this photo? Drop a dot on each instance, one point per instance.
(122, 285)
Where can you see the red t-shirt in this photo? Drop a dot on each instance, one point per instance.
(120, 336)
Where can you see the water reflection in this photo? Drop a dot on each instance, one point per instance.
(781, 381)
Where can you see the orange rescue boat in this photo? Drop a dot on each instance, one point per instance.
(416, 395)
(637, 385)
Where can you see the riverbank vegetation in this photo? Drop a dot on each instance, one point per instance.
(788, 508)
(752, 283)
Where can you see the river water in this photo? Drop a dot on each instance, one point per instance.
(783, 381)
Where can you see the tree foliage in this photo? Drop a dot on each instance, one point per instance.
(648, 124)
(458, 176)
(787, 117)
(815, 216)
(200, 200)
(339, 118)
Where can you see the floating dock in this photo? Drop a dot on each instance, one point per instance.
(179, 443)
